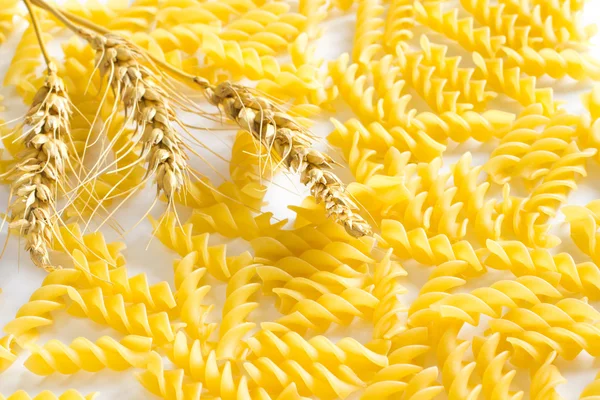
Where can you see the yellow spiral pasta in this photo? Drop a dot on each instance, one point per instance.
(535, 31)
(8, 352)
(545, 380)
(455, 372)
(47, 395)
(591, 391)
(406, 376)
(190, 294)
(181, 240)
(369, 32)
(81, 354)
(387, 289)
(168, 384)
(565, 327)
(461, 30)
(399, 21)
(233, 221)
(509, 81)
(492, 365)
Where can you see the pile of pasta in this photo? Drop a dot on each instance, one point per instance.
(484, 234)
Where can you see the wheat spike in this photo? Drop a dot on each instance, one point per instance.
(148, 104)
(277, 130)
(39, 174)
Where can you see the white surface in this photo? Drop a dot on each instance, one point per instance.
(19, 278)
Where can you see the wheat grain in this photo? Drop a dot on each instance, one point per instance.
(148, 104)
(37, 177)
(278, 131)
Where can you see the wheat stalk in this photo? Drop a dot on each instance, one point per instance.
(148, 104)
(275, 129)
(35, 179)
(278, 131)
(144, 100)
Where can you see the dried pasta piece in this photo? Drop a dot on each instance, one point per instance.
(368, 33)
(493, 367)
(545, 379)
(82, 354)
(455, 373)
(190, 293)
(168, 384)
(8, 352)
(48, 395)
(182, 240)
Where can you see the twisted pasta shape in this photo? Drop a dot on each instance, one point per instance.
(315, 12)
(398, 26)
(181, 240)
(463, 30)
(236, 310)
(48, 395)
(531, 151)
(491, 363)
(592, 390)
(320, 94)
(36, 313)
(190, 295)
(555, 63)
(136, 289)
(289, 345)
(208, 13)
(405, 375)
(424, 249)
(537, 32)
(421, 385)
(322, 244)
(7, 24)
(556, 186)
(545, 379)
(8, 352)
(354, 89)
(566, 327)
(319, 313)
(509, 81)
(369, 32)
(168, 384)
(471, 91)
(583, 227)
(430, 87)
(418, 142)
(82, 354)
(93, 246)
(22, 69)
(268, 29)
(386, 319)
(248, 62)
(329, 382)
(455, 374)
(561, 14)
(515, 257)
(132, 319)
(467, 307)
(233, 221)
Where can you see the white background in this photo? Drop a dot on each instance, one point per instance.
(19, 278)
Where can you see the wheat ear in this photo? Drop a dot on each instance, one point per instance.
(37, 177)
(148, 105)
(291, 143)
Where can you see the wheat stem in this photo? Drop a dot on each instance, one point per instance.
(38, 33)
